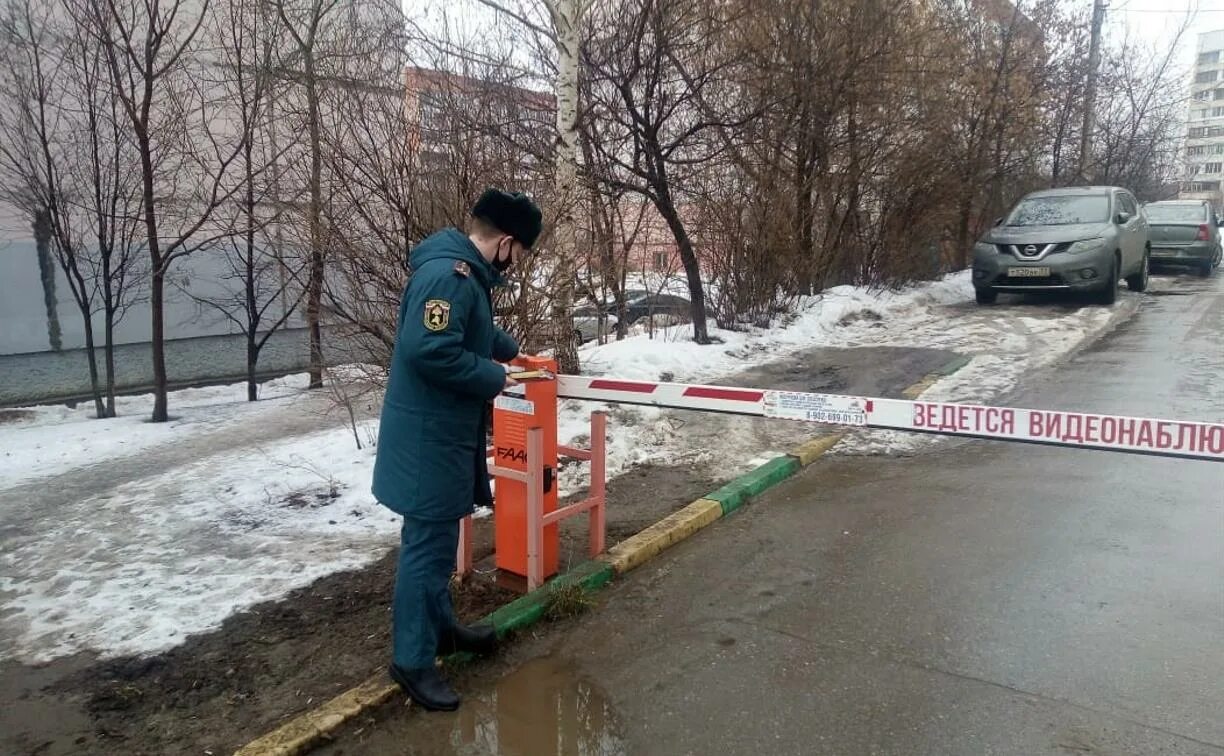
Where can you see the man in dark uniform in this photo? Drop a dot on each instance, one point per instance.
(431, 465)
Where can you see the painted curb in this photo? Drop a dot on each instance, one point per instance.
(306, 730)
(674, 528)
(769, 475)
(943, 371)
(814, 449)
(528, 609)
(309, 728)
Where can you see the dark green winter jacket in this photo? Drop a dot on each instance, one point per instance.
(431, 441)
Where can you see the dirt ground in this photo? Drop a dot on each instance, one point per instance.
(220, 690)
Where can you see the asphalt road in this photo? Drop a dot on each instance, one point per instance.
(977, 598)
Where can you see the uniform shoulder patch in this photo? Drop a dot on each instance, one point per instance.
(437, 314)
(462, 268)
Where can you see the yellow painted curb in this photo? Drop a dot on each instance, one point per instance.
(300, 733)
(810, 451)
(647, 543)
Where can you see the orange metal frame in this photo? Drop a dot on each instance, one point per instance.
(535, 551)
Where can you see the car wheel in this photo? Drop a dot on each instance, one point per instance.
(1139, 281)
(1109, 294)
(1205, 269)
(986, 296)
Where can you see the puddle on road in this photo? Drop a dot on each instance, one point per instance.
(543, 708)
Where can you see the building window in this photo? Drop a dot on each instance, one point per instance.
(1203, 77)
(1217, 149)
(1209, 57)
(1204, 95)
(1215, 131)
(1197, 132)
(1200, 150)
(1216, 112)
(1213, 167)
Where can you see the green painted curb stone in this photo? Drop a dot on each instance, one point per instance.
(954, 365)
(769, 475)
(527, 610)
(730, 497)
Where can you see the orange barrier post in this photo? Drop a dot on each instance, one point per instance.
(463, 559)
(525, 464)
(596, 500)
(523, 461)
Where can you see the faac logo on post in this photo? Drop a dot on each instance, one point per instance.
(509, 452)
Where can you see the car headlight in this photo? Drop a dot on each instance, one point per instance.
(1086, 245)
(983, 248)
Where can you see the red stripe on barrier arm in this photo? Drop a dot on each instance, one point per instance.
(600, 384)
(730, 395)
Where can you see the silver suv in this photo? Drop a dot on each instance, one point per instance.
(1081, 238)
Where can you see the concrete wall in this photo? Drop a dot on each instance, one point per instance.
(23, 314)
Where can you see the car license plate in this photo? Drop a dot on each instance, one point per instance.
(1156, 252)
(1028, 272)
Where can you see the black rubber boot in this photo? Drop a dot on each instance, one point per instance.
(478, 639)
(426, 687)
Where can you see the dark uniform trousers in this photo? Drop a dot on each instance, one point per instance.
(422, 608)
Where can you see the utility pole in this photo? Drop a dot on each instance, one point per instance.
(1094, 56)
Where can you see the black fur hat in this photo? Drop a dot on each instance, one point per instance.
(512, 212)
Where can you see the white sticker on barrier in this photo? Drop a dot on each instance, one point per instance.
(818, 408)
(514, 404)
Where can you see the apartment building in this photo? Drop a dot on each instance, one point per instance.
(1204, 151)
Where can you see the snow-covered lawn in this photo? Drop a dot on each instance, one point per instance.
(137, 565)
(49, 439)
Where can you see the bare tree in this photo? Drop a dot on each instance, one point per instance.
(657, 71)
(617, 222)
(46, 273)
(113, 197)
(304, 21)
(561, 34)
(1139, 117)
(477, 118)
(68, 168)
(151, 52)
(258, 277)
(374, 217)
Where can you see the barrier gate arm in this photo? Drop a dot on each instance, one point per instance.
(535, 418)
(1132, 435)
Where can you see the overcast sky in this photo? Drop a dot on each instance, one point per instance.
(1154, 21)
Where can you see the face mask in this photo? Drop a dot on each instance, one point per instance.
(503, 264)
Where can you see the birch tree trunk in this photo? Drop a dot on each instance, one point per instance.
(565, 15)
